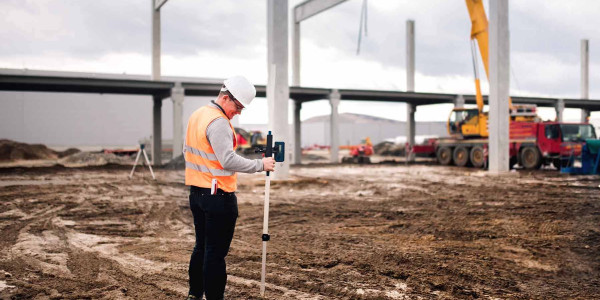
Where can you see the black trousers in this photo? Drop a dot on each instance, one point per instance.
(214, 223)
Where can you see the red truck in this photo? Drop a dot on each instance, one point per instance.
(532, 144)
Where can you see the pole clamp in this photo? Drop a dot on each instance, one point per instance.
(266, 237)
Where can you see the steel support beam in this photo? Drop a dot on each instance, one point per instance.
(177, 96)
(278, 91)
(157, 131)
(334, 123)
(297, 133)
(499, 87)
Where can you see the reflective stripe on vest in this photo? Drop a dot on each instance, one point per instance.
(214, 172)
(201, 163)
(209, 156)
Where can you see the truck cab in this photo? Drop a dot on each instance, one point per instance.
(556, 139)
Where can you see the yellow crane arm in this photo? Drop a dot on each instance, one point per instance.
(479, 29)
(479, 32)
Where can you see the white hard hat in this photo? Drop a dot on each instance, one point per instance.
(241, 89)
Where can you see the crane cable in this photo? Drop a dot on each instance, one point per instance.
(363, 24)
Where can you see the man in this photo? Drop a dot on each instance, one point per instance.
(210, 170)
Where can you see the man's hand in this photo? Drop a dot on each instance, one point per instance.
(268, 164)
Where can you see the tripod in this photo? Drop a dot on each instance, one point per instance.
(142, 150)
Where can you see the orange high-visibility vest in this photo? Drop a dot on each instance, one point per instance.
(201, 163)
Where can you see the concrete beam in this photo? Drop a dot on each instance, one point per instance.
(459, 101)
(155, 42)
(310, 8)
(410, 129)
(157, 131)
(585, 114)
(560, 108)
(499, 87)
(410, 56)
(585, 76)
(177, 96)
(334, 100)
(296, 55)
(297, 133)
(278, 90)
(159, 3)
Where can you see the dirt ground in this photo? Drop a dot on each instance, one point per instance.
(337, 232)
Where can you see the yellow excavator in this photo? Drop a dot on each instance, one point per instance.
(472, 122)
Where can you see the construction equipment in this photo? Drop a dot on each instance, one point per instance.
(359, 154)
(471, 122)
(269, 151)
(531, 145)
(248, 140)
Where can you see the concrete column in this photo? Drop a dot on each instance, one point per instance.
(410, 56)
(297, 133)
(410, 128)
(585, 76)
(177, 96)
(334, 123)
(585, 114)
(156, 131)
(155, 42)
(499, 87)
(459, 101)
(296, 54)
(560, 108)
(278, 90)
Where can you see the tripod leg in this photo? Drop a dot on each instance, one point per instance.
(137, 157)
(149, 165)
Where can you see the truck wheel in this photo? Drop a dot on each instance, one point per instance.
(461, 156)
(531, 158)
(444, 155)
(476, 156)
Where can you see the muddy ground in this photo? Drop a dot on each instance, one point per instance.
(338, 232)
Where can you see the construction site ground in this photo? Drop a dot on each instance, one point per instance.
(380, 231)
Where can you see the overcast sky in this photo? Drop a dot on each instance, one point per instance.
(203, 38)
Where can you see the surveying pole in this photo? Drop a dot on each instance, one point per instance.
(269, 151)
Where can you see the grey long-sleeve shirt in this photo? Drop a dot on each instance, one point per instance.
(220, 137)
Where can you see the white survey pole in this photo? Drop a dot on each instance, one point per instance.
(263, 272)
(265, 236)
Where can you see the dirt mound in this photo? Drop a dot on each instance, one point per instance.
(13, 151)
(86, 159)
(389, 148)
(67, 152)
